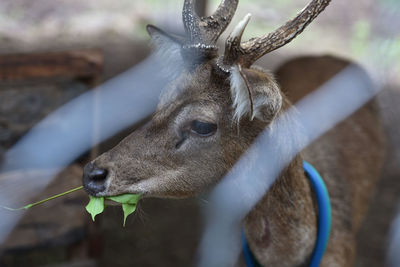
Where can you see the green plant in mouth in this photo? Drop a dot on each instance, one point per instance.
(128, 201)
(96, 205)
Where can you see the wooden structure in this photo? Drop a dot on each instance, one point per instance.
(82, 65)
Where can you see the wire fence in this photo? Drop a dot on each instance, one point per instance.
(132, 96)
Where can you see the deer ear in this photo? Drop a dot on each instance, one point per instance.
(162, 39)
(168, 51)
(254, 94)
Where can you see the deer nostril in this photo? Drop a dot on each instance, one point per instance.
(98, 174)
(94, 178)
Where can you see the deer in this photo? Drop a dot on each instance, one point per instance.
(211, 113)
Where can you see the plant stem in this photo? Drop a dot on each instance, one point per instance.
(47, 199)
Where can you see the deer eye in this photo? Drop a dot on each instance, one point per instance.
(203, 128)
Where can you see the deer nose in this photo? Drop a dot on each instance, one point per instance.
(94, 178)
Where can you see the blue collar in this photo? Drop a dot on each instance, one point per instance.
(324, 220)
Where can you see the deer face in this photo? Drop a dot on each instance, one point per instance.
(206, 118)
(190, 143)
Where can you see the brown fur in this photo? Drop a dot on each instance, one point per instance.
(349, 157)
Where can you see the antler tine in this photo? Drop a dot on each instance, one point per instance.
(248, 52)
(233, 49)
(191, 20)
(221, 18)
(206, 30)
(256, 48)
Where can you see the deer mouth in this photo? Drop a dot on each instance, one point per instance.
(109, 189)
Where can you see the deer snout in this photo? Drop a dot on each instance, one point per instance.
(94, 179)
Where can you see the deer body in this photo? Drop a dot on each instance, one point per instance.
(349, 158)
(211, 114)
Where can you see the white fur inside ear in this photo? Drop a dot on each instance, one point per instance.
(240, 95)
(266, 99)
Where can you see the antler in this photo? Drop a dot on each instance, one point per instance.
(203, 32)
(248, 52)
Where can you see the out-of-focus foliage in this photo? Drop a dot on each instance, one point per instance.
(361, 34)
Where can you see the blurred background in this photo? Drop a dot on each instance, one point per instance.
(52, 51)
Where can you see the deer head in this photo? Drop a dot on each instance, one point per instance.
(207, 117)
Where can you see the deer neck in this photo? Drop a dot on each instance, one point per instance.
(283, 224)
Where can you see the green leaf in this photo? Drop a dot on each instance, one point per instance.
(95, 206)
(125, 199)
(129, 202)
(128, 209)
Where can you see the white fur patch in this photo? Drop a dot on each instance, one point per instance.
(240, 95)
(266, 100)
